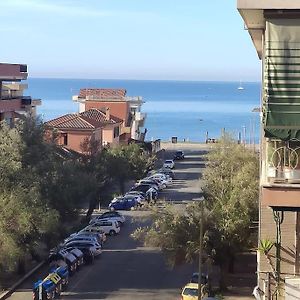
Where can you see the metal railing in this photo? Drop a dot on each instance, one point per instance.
(283, 161)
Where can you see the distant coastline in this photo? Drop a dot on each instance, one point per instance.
(186, 109)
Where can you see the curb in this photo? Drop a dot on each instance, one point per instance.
(10, 290)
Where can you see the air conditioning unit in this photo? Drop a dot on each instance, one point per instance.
(292, 288)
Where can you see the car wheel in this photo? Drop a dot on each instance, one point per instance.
(112, 232)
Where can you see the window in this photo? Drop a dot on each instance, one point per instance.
(116, 132)
(65, 139)
(190, 292)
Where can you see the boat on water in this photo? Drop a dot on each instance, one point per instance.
(240, 88)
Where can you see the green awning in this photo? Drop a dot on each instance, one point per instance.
(281, 100)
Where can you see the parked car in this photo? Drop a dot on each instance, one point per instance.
(150, 192)
(99, 237)
(97, 232)
(77, 244)
(138, 196)
(110, 227)
(169, 164)
(110, 215)
(190, 292)
(165, 179)
(179, 154)
(88, 252)
(204, 278)
(77, 237)
(123, 203)
(167, 171)
(160, 180)
(151, 182)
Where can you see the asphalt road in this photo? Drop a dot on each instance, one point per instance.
(126, 269)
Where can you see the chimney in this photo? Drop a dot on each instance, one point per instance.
(107, 114)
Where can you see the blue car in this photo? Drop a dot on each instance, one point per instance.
(123, 204)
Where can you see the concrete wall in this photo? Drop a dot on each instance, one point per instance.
(118, 109)
(75, 138)
(10, 105)
(108, 135)
(289, 244)
(11, 72)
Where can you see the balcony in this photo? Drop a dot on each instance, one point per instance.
(282, 162)
(140, 116)
(126, 129)
(281, 174)
(14, 86)
(10, 105)
(13, 72)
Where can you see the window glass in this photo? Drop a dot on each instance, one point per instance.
(190, 292)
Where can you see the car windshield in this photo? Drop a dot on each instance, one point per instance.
(190, 292)
(168, 161)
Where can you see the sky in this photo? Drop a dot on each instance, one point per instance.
(128, 39)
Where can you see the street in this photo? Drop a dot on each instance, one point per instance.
(127, 269)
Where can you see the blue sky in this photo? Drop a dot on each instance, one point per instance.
(128, 39)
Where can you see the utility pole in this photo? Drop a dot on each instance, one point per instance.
(244, 135)
(200, 249)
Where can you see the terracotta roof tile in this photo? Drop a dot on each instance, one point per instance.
(100, 116)
(91, 119)
(102, 93)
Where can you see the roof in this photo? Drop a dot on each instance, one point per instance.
(191, 285)
(91, 119)
(252, 11)
(102, 93)
(100, 116)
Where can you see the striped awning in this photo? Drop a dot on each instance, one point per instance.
(281, 101)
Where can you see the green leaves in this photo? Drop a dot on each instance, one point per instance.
(265, 246)
(127, 162)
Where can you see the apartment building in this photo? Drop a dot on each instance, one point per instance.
(274, 27)
(13, 103)
(126, 108)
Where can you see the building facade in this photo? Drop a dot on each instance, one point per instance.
(126, 108)
(274, 27)
(13, 103)
(78, 132)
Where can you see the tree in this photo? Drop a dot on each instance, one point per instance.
(231, 197)
(127, 162)
(24, 216)
(231, 193)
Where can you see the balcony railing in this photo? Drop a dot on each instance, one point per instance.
(283, 161)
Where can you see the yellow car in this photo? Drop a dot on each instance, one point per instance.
(190, 291)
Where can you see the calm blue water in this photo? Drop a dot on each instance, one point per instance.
(174, 108)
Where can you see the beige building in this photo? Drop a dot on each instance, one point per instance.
(274, 27)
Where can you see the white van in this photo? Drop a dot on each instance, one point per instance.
(110, 227)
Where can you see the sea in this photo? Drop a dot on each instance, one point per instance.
(188, 110)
